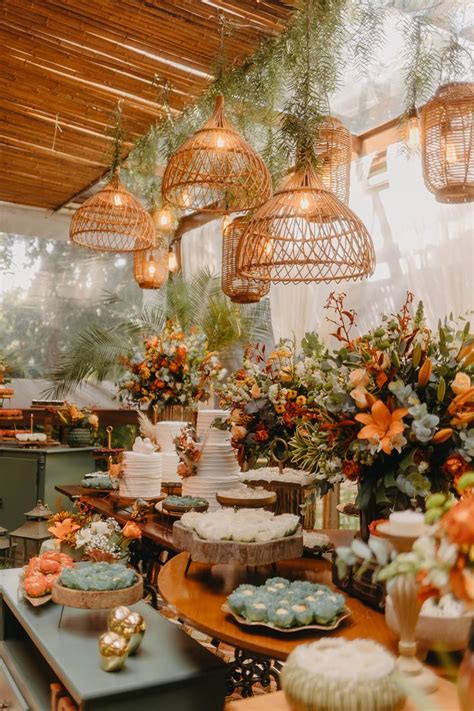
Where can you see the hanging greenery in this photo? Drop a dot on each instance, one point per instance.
(260, 92)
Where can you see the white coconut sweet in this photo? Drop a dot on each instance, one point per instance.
(342, 675)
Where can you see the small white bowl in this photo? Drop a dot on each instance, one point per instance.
(434, 632)
(22, 437)
(40, 437)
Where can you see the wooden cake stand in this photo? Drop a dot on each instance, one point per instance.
(234, 552)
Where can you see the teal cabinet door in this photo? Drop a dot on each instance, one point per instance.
(18, 489)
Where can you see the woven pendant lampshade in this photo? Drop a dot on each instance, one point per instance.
(305, 234)
(112, 220)
(240, 289)
(216, 170)
(447, 143)
(333, 148)
(150, 266)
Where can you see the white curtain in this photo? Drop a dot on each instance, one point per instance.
(421, 245)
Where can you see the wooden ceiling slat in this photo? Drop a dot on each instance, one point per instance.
(74, 60)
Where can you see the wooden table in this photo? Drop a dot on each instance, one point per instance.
(445, 699)
(198, 598)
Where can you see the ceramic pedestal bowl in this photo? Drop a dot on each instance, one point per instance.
(433, 632)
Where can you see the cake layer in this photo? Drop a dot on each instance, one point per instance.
(166, 432)
(207, 488)
(215, 436)
(169, 466)
(142, 471)
(206, 418)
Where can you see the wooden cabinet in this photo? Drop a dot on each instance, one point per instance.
(27, 475)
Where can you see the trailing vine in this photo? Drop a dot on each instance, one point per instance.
(277, 96)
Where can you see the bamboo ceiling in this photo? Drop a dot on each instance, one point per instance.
(64, 65)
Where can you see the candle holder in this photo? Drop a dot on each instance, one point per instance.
(406, 604)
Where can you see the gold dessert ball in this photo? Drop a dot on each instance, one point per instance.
(116, 617)
(112, 644)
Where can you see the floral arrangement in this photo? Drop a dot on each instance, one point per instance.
(174, 370)
(188, 451)
(394, 408)
(100, 539)
(268, 398)
(443, 560)
(71, 416)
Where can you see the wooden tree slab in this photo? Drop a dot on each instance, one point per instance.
(235, 553)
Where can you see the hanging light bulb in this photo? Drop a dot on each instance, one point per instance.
(220, 141)
(413, 133)
(164, 219)
(151, 269)
(117, 200)
(172, 261)
(451, 152)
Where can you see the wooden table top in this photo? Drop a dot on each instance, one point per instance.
(444, 699)
(151, 529)
(198, 597)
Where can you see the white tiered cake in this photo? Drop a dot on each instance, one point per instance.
(217, 468)
(141, 478)
(166, 431)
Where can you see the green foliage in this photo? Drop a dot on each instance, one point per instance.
(95, 351)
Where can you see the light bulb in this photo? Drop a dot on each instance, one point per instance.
(151, 269)
(268, 249)
(413, 133)
(172, 261)
(304, 203)
(164, 219)
(220, 142)
(117, 199)
(451, 152)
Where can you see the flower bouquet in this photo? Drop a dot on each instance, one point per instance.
(394, 409)
(92, 537)
(268, 399)
(79, 424)
(174, 370)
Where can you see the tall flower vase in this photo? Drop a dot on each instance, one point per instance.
(78, 437)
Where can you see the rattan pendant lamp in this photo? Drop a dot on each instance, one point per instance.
(216, 170)
(447, 143)
(333, 149)
(239, 289)
(150, 266)
(304, 234)
(113, 220)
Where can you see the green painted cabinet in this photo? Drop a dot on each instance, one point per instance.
(27, 475)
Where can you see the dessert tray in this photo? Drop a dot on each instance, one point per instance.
(176, 507)
(287, 630)
(348, 510)
(120, 501)
(402, 542)
(235, 552)
(97, 599)
(248, 503)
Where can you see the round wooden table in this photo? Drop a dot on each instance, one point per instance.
(198, 597)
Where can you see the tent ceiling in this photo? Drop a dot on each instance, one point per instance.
(64, 64)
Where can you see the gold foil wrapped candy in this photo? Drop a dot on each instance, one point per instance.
(128, 624)
(113, 650)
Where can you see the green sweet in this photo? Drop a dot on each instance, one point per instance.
(98, 576)
(435, 501)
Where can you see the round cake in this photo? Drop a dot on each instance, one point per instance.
(142, 471)
(166, 432)
(217, 468)
(206, 418)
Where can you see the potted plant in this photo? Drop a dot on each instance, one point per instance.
(79, 424)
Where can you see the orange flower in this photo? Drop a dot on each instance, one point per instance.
(442, 435)
(455, 466)
(382, 426)
(425, 372)
(462, 408)
(63, 529)
(373, 526)
(461, 580)
(131, 530)
(459, 522)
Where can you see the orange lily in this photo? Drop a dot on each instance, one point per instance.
(462, 408)
(382, 426)
(63, 529)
